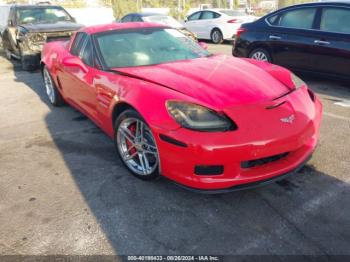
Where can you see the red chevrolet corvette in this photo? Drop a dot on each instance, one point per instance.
(212, 123)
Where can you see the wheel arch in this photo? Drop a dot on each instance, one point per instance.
(258, 46)
(215, 28)
(119, 108)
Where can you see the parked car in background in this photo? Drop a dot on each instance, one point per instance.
(217, 25)
(174, 109)
(159, 19)
(312, 37)
(24, 29)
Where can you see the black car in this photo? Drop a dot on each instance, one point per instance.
(160, 19)
(24, 29)
(312, 37)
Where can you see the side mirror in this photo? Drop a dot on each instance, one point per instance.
(185, 20)
(74, 61)
(203, 45)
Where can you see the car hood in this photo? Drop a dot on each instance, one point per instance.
(52, 27)
(218, 80)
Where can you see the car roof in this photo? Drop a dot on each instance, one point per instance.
(329, 3)
(323, 3)
(219, 10)
(33, 6)
(119, 26)
(143, 14)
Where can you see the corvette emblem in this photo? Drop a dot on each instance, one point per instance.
(290, 119)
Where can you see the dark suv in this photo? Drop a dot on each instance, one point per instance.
(24, 29)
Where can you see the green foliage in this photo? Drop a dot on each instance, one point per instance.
(107, 3)
(72, 4)
(284, 3)
(123, 7)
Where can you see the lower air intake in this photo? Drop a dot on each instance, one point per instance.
(262, 161)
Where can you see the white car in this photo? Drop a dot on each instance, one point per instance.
(217, 24)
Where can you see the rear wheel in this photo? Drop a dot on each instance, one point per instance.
(136, 145)
(260, 54)
(52, 93)
(216, 36)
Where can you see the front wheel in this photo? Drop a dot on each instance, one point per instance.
(136, 145)
(260, 54)
(52, 93)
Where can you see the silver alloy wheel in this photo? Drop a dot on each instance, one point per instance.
(137, 146)
(260, 56)
(216, 36)
(50, 91)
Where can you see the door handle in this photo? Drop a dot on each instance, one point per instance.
(275, 37)
(320, 42)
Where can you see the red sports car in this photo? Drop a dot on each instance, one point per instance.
(212, 123)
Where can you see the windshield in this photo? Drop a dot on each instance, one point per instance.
(148, 46)
(163, 19)
(233, 12)
(41, 15)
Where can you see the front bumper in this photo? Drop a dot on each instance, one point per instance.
(246, 186)
(231, 149)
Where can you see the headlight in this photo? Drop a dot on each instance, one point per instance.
(21, 35)
(199, 118)
(297, 81)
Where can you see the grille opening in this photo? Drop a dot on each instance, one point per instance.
(262, 161)
(57, 38)
(209, 170)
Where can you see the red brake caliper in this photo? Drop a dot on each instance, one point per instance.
(132, 129)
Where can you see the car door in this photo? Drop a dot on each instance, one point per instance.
(207, 22)
(78, 81)
(332, 42)
(85, 80)
(66, 74)
(192, 23)
(290, 37)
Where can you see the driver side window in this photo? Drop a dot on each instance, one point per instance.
(86, 53)
(195, 16)
(78, 43)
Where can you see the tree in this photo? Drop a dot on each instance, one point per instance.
(123, 7)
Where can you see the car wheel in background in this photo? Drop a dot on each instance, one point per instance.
(216, 36)
(52, 93)
(136, 145)
(260, 54)
(8, 54)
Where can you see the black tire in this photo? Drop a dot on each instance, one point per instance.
(56, 99)
(8, 54)
(122, 118)
(216, 36)
(26, 66)
(260, 53)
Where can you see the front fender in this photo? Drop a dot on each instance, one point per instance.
(278, 72)
(146, 98)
